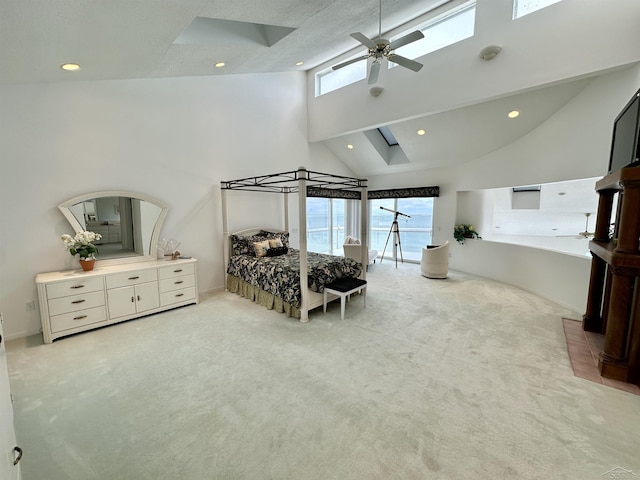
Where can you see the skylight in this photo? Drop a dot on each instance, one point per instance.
(388, 136)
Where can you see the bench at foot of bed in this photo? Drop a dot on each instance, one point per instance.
(343, 288)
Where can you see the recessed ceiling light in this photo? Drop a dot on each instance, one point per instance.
(421, 132)
(513, 114)
(350, 147)
(70, 67)
(219, 64)
(299, 63)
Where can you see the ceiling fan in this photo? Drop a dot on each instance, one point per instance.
(382, 48)
(586, 233)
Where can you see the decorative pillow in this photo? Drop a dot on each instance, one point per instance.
(239, 246)
(277, 251)
(275, 242)
(283, 236)
(261, 248)
(244, 245)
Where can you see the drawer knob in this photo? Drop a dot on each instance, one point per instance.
(79, 301)
(134, 278)
(17, 459)
(177, 270)
(78, 286)
(179, 294)
(178, 282)
(80, 317)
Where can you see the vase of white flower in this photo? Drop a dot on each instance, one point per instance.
(82, 245)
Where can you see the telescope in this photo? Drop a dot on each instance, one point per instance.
(395, 212)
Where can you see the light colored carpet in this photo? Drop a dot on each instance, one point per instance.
(463, 378)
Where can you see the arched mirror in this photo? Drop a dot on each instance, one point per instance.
(129, 223)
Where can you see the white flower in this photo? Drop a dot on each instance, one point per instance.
(81, 244)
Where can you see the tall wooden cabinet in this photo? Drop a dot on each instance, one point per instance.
(613, 304)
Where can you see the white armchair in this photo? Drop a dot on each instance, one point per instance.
(353, 249)
(435, 261)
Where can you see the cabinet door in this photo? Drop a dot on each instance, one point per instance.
(7, 433)
(147, 296)
(122, 301)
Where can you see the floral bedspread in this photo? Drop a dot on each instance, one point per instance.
(281, 275)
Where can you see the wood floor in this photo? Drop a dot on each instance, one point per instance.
(584, 349)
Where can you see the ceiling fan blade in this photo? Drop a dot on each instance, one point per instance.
(405, 62)
(349, 62)
(366, 41)
(373, 74)
(409, 38)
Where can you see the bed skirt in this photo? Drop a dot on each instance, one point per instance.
(261, 297)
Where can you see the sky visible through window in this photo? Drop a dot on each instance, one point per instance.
(525, 7)
(446, 29)
(326, 225)
(414, 232)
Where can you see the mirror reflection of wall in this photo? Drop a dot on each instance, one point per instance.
(127, 224)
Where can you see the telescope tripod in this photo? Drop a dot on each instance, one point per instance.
(395, 231)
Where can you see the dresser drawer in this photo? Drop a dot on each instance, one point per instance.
(176, 270)
(177, 283)
(177, 296)
(75, 287)
(81, 318)
(131, 278)
(76, 303)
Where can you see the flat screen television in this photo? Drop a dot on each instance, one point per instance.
(625, 147)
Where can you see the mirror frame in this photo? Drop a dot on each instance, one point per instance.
(153, 248)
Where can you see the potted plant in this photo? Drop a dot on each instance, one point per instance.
(464, 231)
(82, 245)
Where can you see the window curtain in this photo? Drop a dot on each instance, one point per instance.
(404, 193)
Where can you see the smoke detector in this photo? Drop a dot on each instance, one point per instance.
(490, 52)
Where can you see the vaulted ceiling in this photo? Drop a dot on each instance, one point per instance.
(124, 39)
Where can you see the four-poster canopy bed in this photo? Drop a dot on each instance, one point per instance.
(247, 271)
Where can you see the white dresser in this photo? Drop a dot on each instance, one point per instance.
(74, 301)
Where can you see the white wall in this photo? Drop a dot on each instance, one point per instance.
(573, 143)
(172, 139)
(567, 40)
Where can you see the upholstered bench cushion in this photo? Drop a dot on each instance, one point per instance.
(346, 284)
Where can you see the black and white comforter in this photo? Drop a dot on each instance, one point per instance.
(280, 275)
